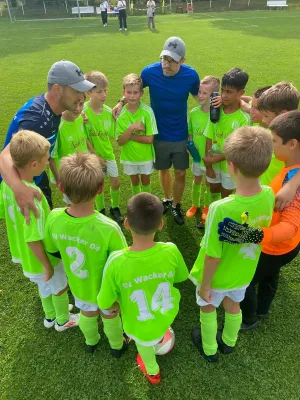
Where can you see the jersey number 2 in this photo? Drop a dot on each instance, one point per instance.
(77, 264)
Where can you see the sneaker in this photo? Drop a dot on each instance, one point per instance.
(177, 214)
(91, 348)
(116, 214)
(167, 204)
(49, 323)
(197, 340)
(73, 321)
(204, 213)
(223, 347)
(103, 211)
(125, 29)
(120, 29)
(201, 225)
(248, 327)
(153, 379)
(263, 316)
(191, 212)
(118, 353)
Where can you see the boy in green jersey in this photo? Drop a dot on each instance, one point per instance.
(30, 154)
(199, 117)
(141, 279)
(231, 118)
(136, 127)
(222, 272)
(100, 128)
(85, 238)
(255, 115)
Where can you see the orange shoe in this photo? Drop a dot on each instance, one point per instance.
(153, 379)
(204, 213)
(191, 212)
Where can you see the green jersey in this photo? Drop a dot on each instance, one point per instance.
(237, 262)
(273, 170)
(19, 234)
(224, 127)
(84, 244)
(134, 152)
(142, 282)
(99, 129)
(197, 124)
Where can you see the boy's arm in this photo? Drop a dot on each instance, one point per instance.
(52, 166)
(287, 193)
(108, 293)
(210, 267)
(125, 136)
(145, 139)
(38, 250)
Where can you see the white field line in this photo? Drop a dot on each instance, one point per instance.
(232, 20)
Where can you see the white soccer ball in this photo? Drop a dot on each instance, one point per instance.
(166, 344)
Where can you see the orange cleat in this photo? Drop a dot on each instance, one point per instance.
(191, 212)
(204, 213)
(153, 379)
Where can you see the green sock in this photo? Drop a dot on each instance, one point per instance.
(136, 189)
(89, 328)
(209, 328)
(146, 188)
(196, 189)
(61, 305)
(207, 197)
(114, 198)
(114, 331)
(148, 356)
(215, 196)
(48, 308)
(99, 202)
(231, 328)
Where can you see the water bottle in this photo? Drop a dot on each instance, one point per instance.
(215, 149)
(214, 112)
(192, 149)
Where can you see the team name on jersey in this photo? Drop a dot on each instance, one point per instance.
(79, 143)
(102, 135)
(145, 278)
(76, 239)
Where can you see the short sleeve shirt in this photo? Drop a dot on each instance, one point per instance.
(197, 124)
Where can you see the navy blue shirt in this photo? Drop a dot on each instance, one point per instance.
(36, 115)
(168, 98)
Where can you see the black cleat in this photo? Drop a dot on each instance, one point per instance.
(116, 214)
(103, 212)
(91, 348)
(248, 327)
(201, 225)
(118, 353)
(177, 214)
(167, 204)
(223, 347)
(263, 316)
(197, 340)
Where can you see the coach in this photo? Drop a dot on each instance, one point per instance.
(170, 82)
(42, 114)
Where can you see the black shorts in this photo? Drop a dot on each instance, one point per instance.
(171, 153)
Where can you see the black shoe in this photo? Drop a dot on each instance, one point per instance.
(116, 214)
(201, 225)
(103, 212)
(248, 327)
(91, 348)
(197, 340)
(118, 353)
(223, 347)
(177, 214)
(263, 316)
(167, 204)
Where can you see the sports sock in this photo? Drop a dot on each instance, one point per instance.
(114, 331)
(149, 358)
(99, 202)
(89, 328)
(231, 328)
(207, 197)
(146, 188)
(114, 198)
(48, 308)
(136, 189)
(196, 189)
(61, 305)
(209, 329)
(215, 196)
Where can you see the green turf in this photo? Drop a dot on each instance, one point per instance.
(40, 364)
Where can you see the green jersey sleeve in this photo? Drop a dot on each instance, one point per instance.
(213, 247)
(181, 272)
(49, 243)
(150, 122)
(117, 241)
(34, 232)
(210, 131)
(2, 208)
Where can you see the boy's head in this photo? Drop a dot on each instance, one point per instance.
(77, 110)
(208, 85)
(144, 214)
(81, 177)
(99, 93)
(286, 136)
(248, 151)
(233, 85)
(132, 88)
(29, 150)
(255, 114)
(279, 99)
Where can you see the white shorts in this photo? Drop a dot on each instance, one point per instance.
(112, 168)
(198, 170)
(86, 306)
(135, 169)
(56, 284)
(236, 295)
(223, 178)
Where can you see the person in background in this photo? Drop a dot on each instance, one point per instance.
(121, 5)
(150, 14)
(103, 9)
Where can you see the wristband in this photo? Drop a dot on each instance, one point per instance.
(121, 101)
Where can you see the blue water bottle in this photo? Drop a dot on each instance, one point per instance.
(192, 149)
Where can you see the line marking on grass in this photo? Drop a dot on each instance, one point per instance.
(232, 20)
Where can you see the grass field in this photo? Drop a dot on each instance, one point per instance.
(39, 364)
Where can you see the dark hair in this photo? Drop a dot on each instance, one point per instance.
(144, 213)
(260, 91)
(235, 78)
(287, 126)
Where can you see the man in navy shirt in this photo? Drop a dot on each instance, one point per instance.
(42, 114)
(170, 82)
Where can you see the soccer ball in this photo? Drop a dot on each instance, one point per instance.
(166, 344)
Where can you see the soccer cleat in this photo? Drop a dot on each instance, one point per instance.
(263, 316)
(197, 340)
(73, 321)
(116, 214)
(201, 225)
(167, 204)
(120, 29)
(49, 323)
(125, 29)
(103, 212)
(223, 347)
(118, 353)
(177, 214)
(248, 327)
(153, 379)
(191, 212)
(91, 348)
(204, 213)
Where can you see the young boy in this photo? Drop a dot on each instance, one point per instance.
(199, 117)
(281, 240)
(231, 118)
(85, 238)
(255, 115)
(141, 279)
(30, 154)
(136, 127)
(223, 272)
(100, 128)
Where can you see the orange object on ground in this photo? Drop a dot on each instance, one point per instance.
(191, 212)
(204, 213)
